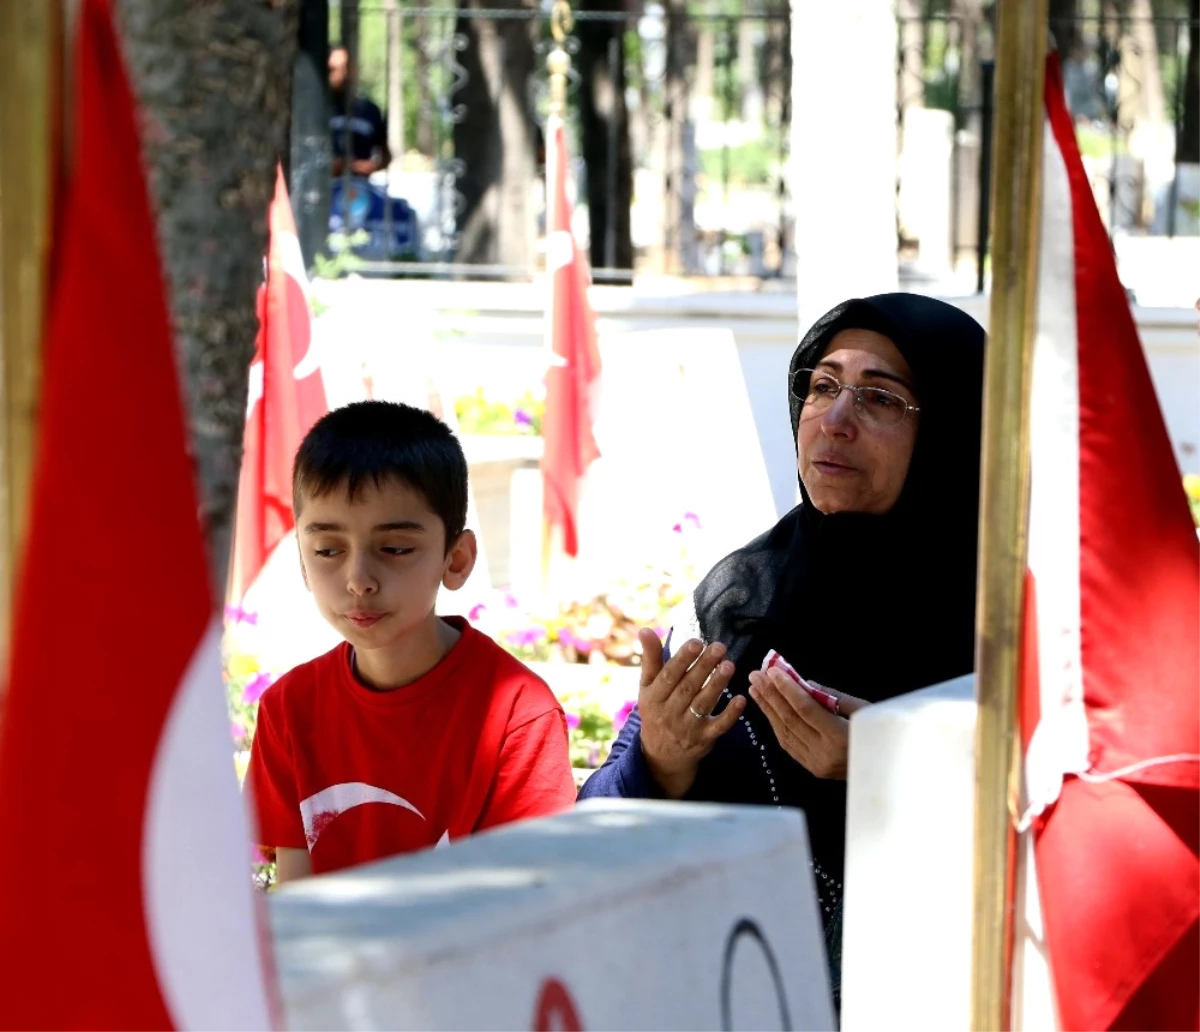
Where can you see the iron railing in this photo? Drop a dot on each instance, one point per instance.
(691, 179)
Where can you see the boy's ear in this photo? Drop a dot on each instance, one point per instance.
(460, 560)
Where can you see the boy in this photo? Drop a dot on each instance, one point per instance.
(416, 730)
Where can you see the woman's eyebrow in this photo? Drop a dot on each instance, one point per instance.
(881, 374)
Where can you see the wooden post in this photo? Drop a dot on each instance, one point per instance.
(30, 131)
(1004, 501)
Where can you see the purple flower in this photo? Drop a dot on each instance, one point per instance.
(692, 518)
(529, 636)
(476, 613)
(237, 731)
(254, 689)
(510, 601)
(236, 614)
(522, 418)
(568, 638)
(572, 720)
(622, 715)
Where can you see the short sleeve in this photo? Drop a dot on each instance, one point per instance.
(271, 779)
(534, 777)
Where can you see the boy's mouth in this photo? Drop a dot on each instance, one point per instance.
(364, 617)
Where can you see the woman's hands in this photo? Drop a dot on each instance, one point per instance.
(812, 736)
(674, 701)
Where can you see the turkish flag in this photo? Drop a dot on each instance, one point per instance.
(573, 379)
(286, 397)
(125, 892)
(1111, 682)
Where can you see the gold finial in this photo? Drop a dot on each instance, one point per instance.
(558, 63)
(562, 21)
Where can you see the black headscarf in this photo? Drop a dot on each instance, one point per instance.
(873, 605)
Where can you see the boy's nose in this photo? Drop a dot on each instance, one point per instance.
(360, 581)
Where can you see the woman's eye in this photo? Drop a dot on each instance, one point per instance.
(823, 387)
(882, 399)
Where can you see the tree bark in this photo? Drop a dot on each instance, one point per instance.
(214, 84)
(604, 121)
(496, 141)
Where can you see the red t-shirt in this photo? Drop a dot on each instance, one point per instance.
(356, 774)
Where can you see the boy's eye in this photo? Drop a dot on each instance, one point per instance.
(398, 550)
(327, 553)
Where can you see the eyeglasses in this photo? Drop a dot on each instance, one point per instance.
(874, 405)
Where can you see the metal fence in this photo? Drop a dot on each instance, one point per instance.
(680, 118)
(678, 124)
(1127, 84)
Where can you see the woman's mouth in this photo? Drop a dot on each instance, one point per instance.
(833, 468)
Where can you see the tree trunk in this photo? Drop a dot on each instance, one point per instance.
(1189, 135)
(1142, 91)
(311, 158)
(1065, 28)
(395, 83)
(604, 121)
(911, 90)
(681, 253)
(214, 83)
(496, 141)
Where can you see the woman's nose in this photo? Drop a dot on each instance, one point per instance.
(839, 420)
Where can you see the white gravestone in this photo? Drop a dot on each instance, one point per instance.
(676, 434)
(620, 914)
(910, 840)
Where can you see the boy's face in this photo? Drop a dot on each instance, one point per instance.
(374, 565)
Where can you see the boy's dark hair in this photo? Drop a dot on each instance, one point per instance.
(377, 441)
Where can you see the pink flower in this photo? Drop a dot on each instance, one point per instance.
(476, 613)
(237, 731)
(236, 614)
(622, 715)
(572, 720)
(255, 688)
(692, 518)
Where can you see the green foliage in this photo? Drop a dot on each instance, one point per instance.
(754, 163)
(478, 414)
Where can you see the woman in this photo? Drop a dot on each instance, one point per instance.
(867, 587)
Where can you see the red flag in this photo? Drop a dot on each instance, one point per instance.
(574, 374)
(1112, 666)
(125, 893)
(286, 397)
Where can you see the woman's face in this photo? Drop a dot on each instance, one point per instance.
(849, 464)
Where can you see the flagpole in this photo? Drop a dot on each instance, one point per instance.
(558, 64)
(30, 121)
(1003, 527)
